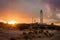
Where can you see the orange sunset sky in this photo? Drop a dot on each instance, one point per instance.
(22, 11)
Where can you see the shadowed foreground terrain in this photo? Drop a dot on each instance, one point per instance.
(29, 32)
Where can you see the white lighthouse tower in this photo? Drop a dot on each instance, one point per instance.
(41, 17)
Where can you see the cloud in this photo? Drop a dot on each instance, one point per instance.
(53, 3)
(53, 8)
(5, 3)
(32, 8)
(19, 8)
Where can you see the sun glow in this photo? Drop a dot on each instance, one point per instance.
(12, 22)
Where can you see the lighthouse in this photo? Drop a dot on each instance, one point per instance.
(41, 17)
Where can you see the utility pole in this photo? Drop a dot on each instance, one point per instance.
(32, 19)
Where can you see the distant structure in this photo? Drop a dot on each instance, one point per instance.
(33, 20)
(41, 17)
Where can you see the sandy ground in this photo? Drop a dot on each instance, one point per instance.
(16, 35)
(56, 36)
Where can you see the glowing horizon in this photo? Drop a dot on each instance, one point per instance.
(22, 11)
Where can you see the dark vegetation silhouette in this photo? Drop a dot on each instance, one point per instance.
(38, 26)
(12, 39)
(23, 26)
(34, 26)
